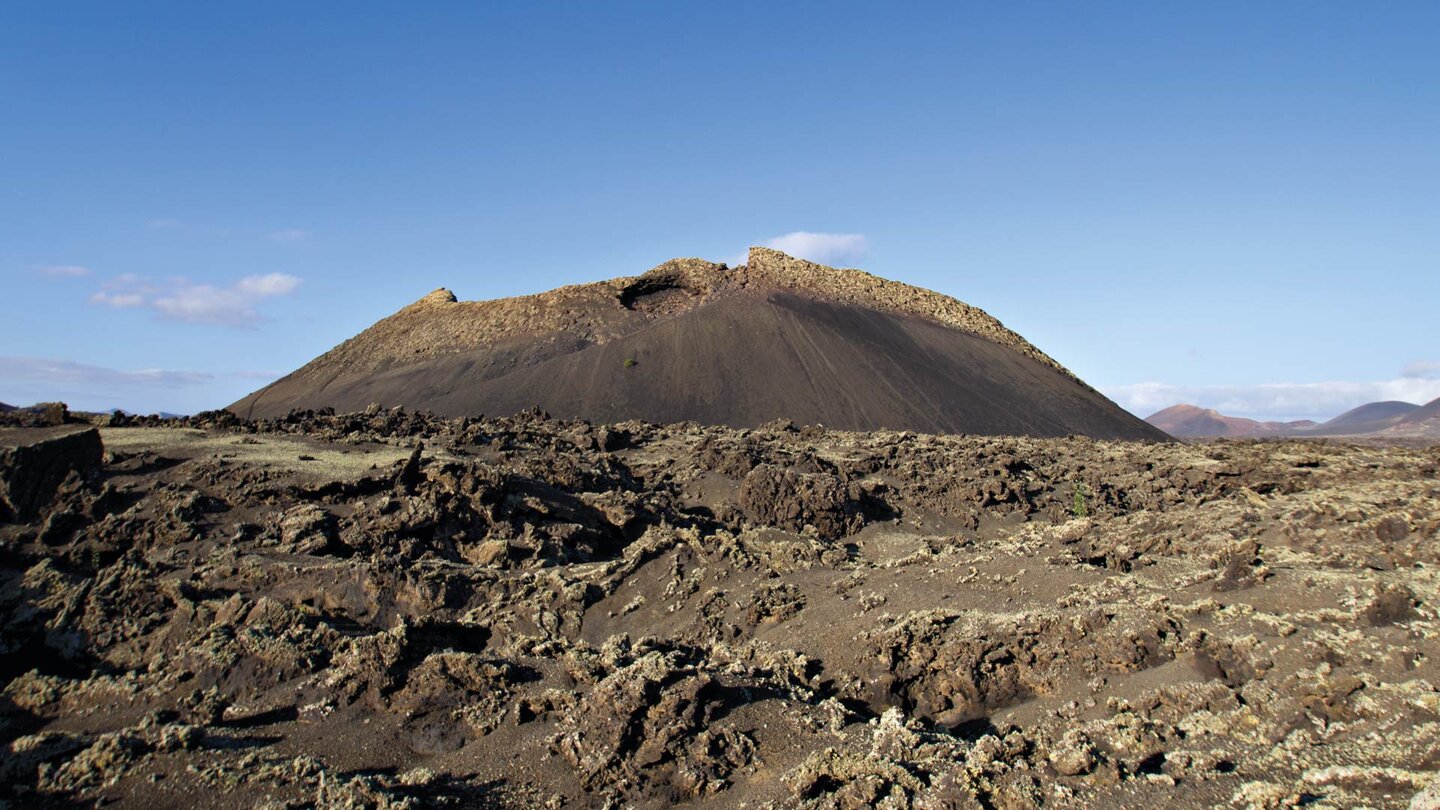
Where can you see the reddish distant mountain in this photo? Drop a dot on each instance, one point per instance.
(1190, 421)
(1390, 418)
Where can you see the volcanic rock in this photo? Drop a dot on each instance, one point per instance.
(35, 461)
(389, 609)
(42, 414)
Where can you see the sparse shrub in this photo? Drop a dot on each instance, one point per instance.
(1078, 507)
(630, 362)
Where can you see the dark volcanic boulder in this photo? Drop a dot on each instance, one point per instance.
(792, 500)
(33, 463)
(42, 414)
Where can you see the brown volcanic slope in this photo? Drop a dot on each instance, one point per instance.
(1192, 421)
(1426, 412)
(692, 340)
(1367, 418)
(1422, 421)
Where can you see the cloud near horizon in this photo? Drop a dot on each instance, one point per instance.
(1424, 369)
(825, 248)
(179, 299)
(28, 380)
(1274, 401)
(66, 372)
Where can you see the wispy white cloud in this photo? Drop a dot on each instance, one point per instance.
(267, 285)
(118, 300)
(1274, 401)
(1426, 369)
(27, 380)
(203, 303)
(179, 299)
(65, 270)
(825, 248)
(287, 235)
(228, 306)
(66, 372)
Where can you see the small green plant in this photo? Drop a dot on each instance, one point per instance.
(630, 362)
(1078, 507)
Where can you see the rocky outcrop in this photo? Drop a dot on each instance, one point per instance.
(389, 609)
(43, 414)
(795, 500)
(35, 462)
(439, 296)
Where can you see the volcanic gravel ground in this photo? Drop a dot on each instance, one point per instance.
(386, 609)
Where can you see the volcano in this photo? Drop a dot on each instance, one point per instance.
(1191, 421)
(1368, 418)
(692, 340)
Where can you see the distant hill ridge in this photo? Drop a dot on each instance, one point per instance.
(1390, 417)
(1187, 421)
(1427, 415)
(1367, 418)
(777, 337)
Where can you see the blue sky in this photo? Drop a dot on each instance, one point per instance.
(1234, 204)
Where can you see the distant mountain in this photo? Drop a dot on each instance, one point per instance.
(1424, 413)
(1390, 418)
(1191, 421)
(4, 407)
(1423, 421)
(1367, 418)
(161, 414)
